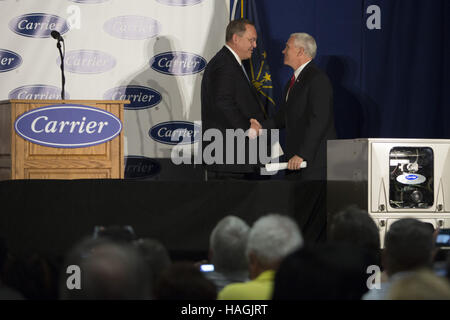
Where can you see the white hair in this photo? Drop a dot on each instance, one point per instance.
(273, 237)
(228, 242)
(304, 40)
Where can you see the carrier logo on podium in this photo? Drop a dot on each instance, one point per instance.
(38, 25)
(175, 132)
(68, 126)
(178, 63)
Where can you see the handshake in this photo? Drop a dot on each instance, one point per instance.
(255, 129)
(295, 162)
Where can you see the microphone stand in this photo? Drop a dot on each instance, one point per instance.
(63, 78)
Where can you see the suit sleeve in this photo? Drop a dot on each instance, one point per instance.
(223, 85)
(275, 122)
(278, 121)
(320, 100)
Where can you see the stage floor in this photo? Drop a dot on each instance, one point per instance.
(50, 216)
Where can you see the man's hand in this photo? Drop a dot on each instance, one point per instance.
(295, 163)
(255, 129)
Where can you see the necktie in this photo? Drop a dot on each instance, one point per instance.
(245, 72)
(292, 81)
(291, 84)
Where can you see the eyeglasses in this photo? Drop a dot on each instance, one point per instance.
(251, 40)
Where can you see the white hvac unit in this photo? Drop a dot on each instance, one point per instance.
(391, 178)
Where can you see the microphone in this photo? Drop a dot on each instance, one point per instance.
(56, 35)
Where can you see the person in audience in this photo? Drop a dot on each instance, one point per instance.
(271, 238)
(420, 285)
(447, 267)
(6, 292)
(330, 271)
(409, 246)
(354, 226)
(123, 234)
(227, 245)
(108, 270)
(184, 281)
(155, 256)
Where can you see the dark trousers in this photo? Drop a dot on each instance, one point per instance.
(220, 175)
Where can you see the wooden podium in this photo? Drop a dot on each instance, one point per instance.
(23, 159)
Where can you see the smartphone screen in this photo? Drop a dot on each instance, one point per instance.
(207, 267)
(443, 238)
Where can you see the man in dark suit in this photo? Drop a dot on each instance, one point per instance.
(306, 111)
(229, 101)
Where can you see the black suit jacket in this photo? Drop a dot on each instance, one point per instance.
(229, 101)
(308, 118)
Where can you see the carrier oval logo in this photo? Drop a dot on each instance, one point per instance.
(141, 167)
(89, 1)
(37, 92)
(178, 63)
(88, 61)
(68, 126)
(38, 25)
(179, 2)
(411, 178)
(9, 60)
(140, 97)
(132, 27)
(175, 132)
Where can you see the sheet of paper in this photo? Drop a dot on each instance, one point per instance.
(281, 166)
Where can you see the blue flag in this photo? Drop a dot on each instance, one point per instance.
(257, 66)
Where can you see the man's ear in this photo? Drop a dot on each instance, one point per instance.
(235, 38)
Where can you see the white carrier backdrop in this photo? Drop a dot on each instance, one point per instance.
(151, 52)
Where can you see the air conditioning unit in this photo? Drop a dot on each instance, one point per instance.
(391, 179)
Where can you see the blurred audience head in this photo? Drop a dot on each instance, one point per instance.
(184, 281)
(108, 270)
(409, 245)
(332, 271)
(123, 234)
(227, 245)
(3, 255)
(155, 256)
(272, 237)
(354, 226)
(420, 285)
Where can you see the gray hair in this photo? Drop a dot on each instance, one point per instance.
(273, 237)
(304, 40)
(238, 27)
(228, 242)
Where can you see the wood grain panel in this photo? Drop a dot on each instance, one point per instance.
(33, 161)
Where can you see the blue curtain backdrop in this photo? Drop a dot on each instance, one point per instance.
(391, 82)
